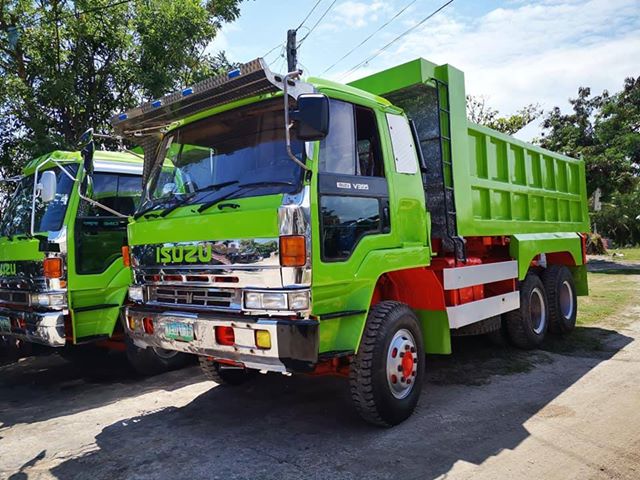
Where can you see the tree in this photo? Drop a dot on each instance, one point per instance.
(605, 130)
(479, 112)
(68, 65)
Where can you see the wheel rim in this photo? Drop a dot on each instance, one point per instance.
(165, 354)
(566, 300)
(402, 364)
(537, 311)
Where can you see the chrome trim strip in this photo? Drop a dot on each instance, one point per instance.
(472, 312)
(294, 218)
(461, 277)
(43, 328)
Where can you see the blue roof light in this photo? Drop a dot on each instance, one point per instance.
(123, 116)
(233, 73)
(156, 103)
(187, 91)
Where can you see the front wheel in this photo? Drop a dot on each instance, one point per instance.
(387, 373)
(152, 361)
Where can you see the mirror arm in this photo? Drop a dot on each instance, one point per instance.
(99, 205)
(287, 123)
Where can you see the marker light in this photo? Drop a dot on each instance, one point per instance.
(187, 91)
(126, 258)
(123, 116)
(225, 336)
(233, 73)
(53, 267)
(156, 104)
(293, 251)
(263, 339)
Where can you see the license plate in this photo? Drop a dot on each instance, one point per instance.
(5, 325)
(179, 331)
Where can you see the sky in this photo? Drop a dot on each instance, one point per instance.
(513, 52)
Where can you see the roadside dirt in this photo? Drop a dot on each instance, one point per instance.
(484, 414)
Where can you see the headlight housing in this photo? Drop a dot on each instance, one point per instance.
(136, 293)
(282, 301)
(48, 299)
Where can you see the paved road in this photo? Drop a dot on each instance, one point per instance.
(484, 413)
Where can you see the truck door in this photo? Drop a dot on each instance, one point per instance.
(98, 279)
(353, 202)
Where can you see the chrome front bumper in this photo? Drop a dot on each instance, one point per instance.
(46, 328)
(294, 343)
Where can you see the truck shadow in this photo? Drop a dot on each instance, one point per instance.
(45, 386)
(474, 405)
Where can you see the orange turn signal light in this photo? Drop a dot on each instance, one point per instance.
(293, 251)
(53, 267)
(126, 259)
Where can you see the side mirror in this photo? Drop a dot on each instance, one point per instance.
(312, 117)
(86, 186)
(87, 149)
(48, 185)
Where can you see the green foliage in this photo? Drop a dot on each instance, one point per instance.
(479, 112)
(605, 130)
(69, 65)
(619, 219)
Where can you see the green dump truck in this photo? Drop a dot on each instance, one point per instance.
(304, 226)
(62, 278)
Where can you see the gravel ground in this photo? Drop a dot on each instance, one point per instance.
(484, 413)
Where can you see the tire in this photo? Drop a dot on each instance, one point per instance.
(214, 371)
(562, 299)
(150, 361)
(378, 390)
(499, 337)
(528, 325)
(87, 355)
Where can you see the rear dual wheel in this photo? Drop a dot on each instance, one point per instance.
(387, 373)
(547, 303)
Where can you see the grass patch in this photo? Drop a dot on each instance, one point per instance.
(609, 295)
(630, 254)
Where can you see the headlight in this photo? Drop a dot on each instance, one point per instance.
(48, 299)
(136, 293)
(298, 300)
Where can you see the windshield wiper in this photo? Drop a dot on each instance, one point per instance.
(146, 210)
(186, 198)
(251, 185)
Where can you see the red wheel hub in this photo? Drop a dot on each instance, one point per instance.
(407, 364)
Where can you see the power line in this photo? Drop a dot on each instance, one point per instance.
(371, 36)
(318, 22)
(298, 28)
(406, 32)
(308, 15)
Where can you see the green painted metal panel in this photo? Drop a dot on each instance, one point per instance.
(435, 331)
(524, 247)
(502, 185)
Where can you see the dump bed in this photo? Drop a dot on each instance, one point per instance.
(479, 181)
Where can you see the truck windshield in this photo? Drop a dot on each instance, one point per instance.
(224, 152)
(16, 219)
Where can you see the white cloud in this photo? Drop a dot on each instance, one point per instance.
(529, 52)
(358, 14)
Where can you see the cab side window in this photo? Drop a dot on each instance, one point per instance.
(352, 186)
(99, 234)
(353, 144)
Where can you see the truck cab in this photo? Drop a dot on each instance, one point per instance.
(310, 227)
(62, 278)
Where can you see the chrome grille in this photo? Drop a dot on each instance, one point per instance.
(220, 298)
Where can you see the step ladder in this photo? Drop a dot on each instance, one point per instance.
(446, 169)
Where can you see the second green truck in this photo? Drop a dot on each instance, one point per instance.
(313, 227)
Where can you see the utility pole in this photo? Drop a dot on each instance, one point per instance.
(292, 51)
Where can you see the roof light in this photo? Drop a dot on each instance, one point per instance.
(234, 73)
(187, 91)
(123, 116)
(157, 104)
